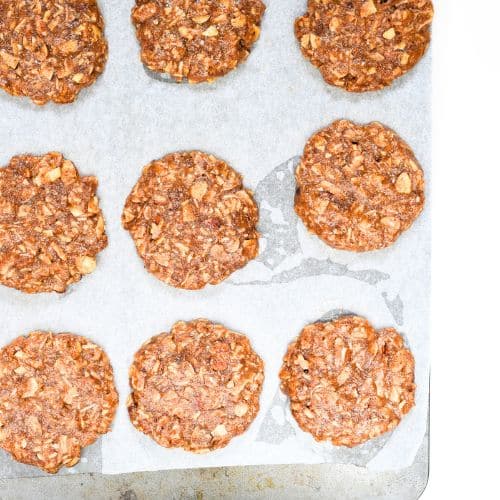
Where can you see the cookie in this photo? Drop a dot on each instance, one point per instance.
(50, 49)
(347, 382)
(196, 40)
(358, 186)
(192, 221)
(364, 45)
(57, 396)
(51, 226)
(196, 387)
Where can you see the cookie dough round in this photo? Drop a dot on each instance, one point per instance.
(57, 396)
(364, 45)
(192, 221)
(51, 226)
(50, 49)
(197, 40)
(347, 382)
(196, 387)
(358, 186)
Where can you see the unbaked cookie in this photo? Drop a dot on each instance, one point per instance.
(347, 382)
(192, 221)
(364, 45)
(50, 49)
(196, 387)
(197, 40)
(51, 226)
(57, 395)
(358, 186)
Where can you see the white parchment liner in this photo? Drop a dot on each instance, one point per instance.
(258, 119)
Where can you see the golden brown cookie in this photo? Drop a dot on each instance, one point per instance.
(364, 45)
(50, 49)
(358, 186)
(57, 396)
(192, 221)
(51, 226)
(347, 382)
(196, 387)
(197, 40)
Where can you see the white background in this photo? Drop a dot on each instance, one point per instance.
(465, 344)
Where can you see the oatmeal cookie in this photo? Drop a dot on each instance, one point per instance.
(50, 49)
(192, 221)
(358, 186)
(57, 396)
(196, 387)
(51, 226)
(197, 40)
(347, 382)
(364, 45)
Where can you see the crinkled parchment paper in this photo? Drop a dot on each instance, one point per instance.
(258, 119)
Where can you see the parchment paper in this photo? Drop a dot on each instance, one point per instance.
(258, 119)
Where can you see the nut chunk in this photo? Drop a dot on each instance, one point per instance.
(51, 226)
(50, 49)
(196, 387)
(364, 44)
(192, 221)
(347, 382)
(57, 396)
(197, 40)
(358, 186)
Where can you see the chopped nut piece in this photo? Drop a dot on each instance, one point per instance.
(192, 221)
(55, 44)
(211, 31)
(389, 34)
(198, 190)
(201, 19)
(360, 51)
(176, 40)
(46, 420)
(359, 382)
(346, 193)
(367, 8)
(86, 265)
(196, 387)
(51, 226)
(403, 184)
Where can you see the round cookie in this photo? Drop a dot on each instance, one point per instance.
(364, 45)
(197, 40)
(50, 49)
(57, 396)
(347, 382)
(196, 387)
(51, 226)
(358, 186)
(192, 221)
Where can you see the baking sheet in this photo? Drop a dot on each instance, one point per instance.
(258, 119)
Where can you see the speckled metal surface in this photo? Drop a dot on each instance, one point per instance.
(342, 482)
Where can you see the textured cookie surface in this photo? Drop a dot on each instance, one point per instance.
(51, 226)
(364, 45)
(50, 49)
(347, 382)
(197, 40)
(358, 186)
(192, 221)
(196, 387)
(57, 396)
